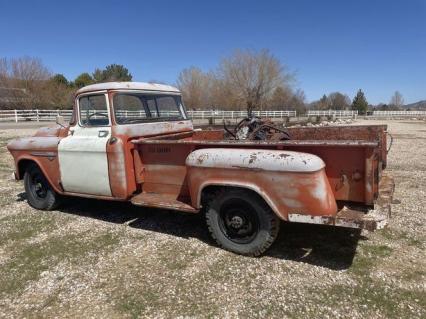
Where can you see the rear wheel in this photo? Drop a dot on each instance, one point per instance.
(40, 194)
(240, 221)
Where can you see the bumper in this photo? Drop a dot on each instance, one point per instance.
(377, 218)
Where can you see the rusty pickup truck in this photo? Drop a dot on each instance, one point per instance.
(134, 142)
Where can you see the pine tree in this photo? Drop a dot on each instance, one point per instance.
(59, 79)
(360, 103)
(83, 79)
(112, 72)
(323, 103)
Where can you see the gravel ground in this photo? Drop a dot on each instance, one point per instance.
(101, 259)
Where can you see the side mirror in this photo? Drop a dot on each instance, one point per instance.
(60, 120)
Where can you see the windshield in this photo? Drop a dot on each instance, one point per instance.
(142, 107)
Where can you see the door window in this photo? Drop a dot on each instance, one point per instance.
(93, 110)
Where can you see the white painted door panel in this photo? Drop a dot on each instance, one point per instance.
(83, 161)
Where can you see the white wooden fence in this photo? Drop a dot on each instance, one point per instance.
(50, 115)
(33, 115)
(399, 114)
(239, 114)
(334, 113)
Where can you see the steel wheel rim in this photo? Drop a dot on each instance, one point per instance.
(238, 221)
(38, 186)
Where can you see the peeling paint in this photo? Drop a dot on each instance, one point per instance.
(269, 160)
(152, 129)
(140, 86)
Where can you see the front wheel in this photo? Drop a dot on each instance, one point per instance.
(241, 221)
(40, 194)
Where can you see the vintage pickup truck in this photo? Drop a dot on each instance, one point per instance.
(134, 142)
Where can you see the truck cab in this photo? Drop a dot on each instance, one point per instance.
(92, 158)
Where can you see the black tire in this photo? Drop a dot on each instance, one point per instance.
(40, 194)
(240, 221)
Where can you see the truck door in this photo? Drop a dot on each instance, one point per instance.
(82, 154)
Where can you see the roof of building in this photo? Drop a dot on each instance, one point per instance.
(128, 86)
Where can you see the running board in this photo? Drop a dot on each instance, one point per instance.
(161, 201)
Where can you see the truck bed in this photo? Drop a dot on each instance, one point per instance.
(354, 157)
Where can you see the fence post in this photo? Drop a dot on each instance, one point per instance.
(16, 116)
(37, 116)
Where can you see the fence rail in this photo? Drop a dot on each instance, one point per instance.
(239, 114)
(33, 115)
(334, 113)
(50, 115)
(399, 113)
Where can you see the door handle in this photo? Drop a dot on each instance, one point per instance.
(103, 133)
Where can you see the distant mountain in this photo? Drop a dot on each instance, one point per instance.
(420, 105)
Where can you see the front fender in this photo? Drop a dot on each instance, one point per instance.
(48, 166)
(289, 182)
(41, 150)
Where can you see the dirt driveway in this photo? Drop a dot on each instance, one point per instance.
(100, 259)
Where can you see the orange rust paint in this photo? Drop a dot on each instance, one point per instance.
(162, 201)
(117, 168)
(372, 133)
(341, 160)
(32, 149)
(285, 192)
(164, 169)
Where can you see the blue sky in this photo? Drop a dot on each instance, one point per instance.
(376, 45)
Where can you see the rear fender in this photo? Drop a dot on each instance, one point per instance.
(289, 182)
